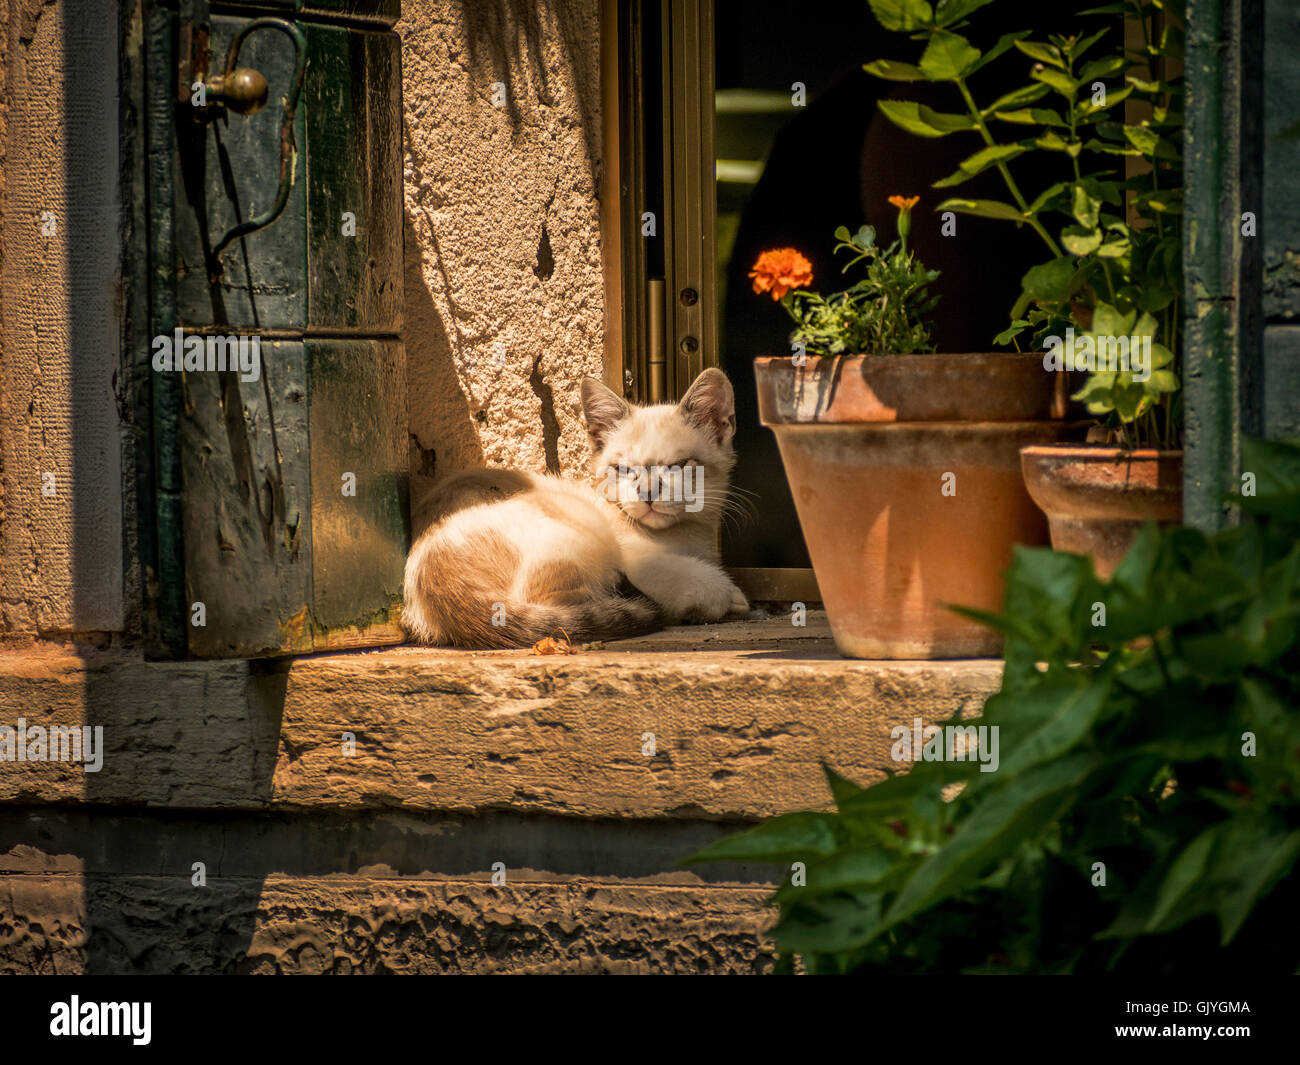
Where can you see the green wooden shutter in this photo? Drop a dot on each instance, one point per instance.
(1242, 353)
(1280, 219)
(242, 498)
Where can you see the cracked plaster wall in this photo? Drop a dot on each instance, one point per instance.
(504, 283)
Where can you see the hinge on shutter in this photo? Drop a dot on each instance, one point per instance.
(195, 29)
(657, 357)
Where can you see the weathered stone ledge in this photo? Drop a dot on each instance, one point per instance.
(137, 924)
(741, 716)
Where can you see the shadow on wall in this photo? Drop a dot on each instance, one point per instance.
(505, 44)
(546, 55)
(440, 416)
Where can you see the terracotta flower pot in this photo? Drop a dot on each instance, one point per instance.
(1096, 498)
(905, 471)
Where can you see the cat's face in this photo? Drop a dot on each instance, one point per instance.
(666, 464)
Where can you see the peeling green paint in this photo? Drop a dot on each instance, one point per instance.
(243, 510)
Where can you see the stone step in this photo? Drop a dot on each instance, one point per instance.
(150, 924)
(467, 766)
(727, 721)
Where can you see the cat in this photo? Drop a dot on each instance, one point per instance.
(510, 558)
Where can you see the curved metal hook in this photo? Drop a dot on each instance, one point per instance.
(268, 216)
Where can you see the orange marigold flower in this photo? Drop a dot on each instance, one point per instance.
(780, 270)
(905, 203)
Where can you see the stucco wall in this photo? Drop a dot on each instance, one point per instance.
(60, 539)
(502, 230)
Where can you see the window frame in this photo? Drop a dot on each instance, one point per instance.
(662, 316)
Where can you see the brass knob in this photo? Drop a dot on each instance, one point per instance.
(243, 91)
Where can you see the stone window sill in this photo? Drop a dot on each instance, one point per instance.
(740, 716)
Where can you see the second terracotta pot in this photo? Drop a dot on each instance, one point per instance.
(905, 471)
(1097, 498)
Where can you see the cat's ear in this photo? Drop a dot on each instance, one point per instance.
(603, 409)
(710, 405)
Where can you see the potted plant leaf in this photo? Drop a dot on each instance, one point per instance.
(904, 464)
(1107, 302)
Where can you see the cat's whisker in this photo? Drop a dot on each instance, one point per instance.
(733, 505)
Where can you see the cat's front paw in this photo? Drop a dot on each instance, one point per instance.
(739, 604)
(710, 601)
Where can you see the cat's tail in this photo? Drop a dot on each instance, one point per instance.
(505, 623)
(613, 618)
(466, 606)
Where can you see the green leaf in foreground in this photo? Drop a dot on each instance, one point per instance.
(1156, 744)
(1002, 822)
(790, 837)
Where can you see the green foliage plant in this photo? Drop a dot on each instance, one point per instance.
(884, 313)
(1114, 243)
(1144, 816)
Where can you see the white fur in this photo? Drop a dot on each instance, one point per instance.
(572, 542)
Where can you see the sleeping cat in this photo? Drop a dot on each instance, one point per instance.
(510, 558)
